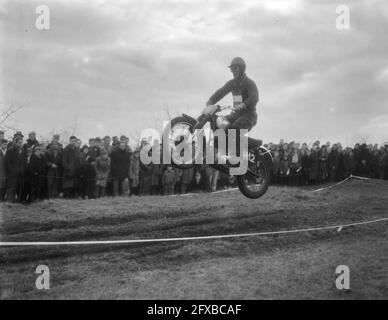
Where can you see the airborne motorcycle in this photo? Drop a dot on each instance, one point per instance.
(254, 182)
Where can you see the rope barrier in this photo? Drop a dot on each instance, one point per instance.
(332, 186)
(341, 182)
(102, 242)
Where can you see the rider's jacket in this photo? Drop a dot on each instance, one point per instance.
(244, 90)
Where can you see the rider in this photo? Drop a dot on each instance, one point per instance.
(245, 97)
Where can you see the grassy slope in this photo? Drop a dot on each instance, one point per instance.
(292, 266)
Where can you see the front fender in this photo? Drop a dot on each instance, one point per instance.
(266, 153)
(189, 117)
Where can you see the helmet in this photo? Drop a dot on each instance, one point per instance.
(237, 61)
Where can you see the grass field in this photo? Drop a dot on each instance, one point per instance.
(294, 266)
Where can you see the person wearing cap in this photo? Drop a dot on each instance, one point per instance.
(18, 135)
(245, 97)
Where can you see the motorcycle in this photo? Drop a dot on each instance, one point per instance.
(253, 183)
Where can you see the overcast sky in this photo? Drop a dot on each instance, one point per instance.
(114, 67)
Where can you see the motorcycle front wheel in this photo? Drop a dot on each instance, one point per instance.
(255, 182)
(182, 129)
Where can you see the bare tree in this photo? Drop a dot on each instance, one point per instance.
(65, 132)
(6, 115)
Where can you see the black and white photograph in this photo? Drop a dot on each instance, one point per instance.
(207, 151)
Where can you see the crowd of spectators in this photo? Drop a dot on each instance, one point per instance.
(31, 171)
(298, 165)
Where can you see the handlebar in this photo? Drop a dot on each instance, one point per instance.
(212, 109)
(222, 108)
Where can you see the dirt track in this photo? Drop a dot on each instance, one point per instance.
(282, 266)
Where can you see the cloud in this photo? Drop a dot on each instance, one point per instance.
(118, 65)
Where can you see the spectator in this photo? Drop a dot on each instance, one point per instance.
(276, 167)
(306, 166)
(187, 178)
(31, 141)
(168, 181)
(120, 169)
(385, 162)
(37, 170)
(55, 140)
(134, 171)
(156, 170)
(93, 150)
(13, 163)
(71, 165)
(198, 184)
(54, 170)
(27, 176)
(115, 142)
(333, 163)
(3, 151)
(102, 173)
(87, 173)
(107, 144)
(145, 173)
(323, 156)
(295, 168)
(314, 162)
(212, 178)
(178, 179)
(349, 162)
(284, 169)
(17, 136)
(145, 179)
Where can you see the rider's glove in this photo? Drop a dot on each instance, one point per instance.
(240, 106)
(209, 109)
